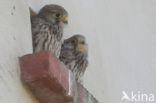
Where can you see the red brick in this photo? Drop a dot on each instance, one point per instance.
(50, 81)
(45, 76)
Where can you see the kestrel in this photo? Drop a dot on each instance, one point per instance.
(47, 28)
(74, 55)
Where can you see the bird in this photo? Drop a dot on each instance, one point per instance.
(47, 29)
(74, 54)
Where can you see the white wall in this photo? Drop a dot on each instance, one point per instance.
(15, 41)
(122, 45)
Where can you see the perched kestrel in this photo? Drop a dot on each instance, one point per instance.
(47, 28)
(74, 55)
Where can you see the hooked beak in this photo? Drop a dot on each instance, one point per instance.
(64, 19)
(81, 48)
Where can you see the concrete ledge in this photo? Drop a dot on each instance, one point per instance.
(50, 81)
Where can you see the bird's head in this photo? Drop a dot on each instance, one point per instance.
(77, 43)
(54, 14)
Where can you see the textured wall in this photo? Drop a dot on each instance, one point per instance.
(15, 41)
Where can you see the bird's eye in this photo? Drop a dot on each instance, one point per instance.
(57, 15)
(83, 42)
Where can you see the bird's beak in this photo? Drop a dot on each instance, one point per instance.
(81, 48)
(64, 19)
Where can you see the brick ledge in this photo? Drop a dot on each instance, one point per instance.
(50, 81)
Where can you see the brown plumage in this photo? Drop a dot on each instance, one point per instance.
(47, 28)
(74, 55)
